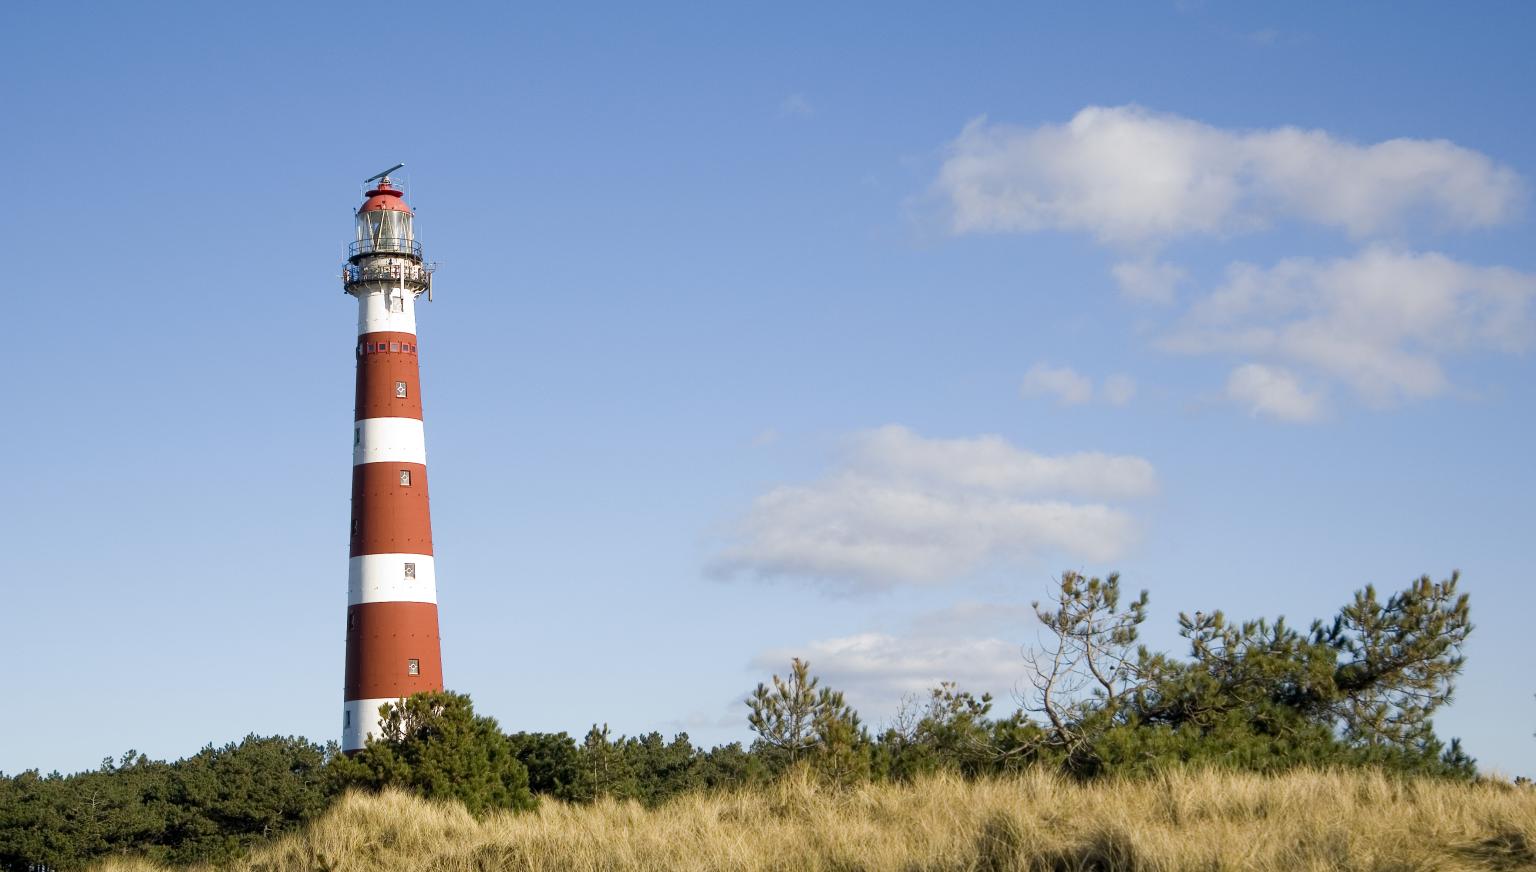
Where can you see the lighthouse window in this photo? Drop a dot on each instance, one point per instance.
(405, 478)
(370, 348)
(394, 346)
(400, 389)
(346, 720)
(413, 667)
(357, 436)
(410, 572)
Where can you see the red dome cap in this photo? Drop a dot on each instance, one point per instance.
(385, 196)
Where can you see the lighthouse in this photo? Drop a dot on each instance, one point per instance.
(393, 648)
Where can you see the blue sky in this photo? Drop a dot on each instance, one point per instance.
(834, 332)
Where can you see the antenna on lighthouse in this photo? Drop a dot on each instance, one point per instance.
(384, 174)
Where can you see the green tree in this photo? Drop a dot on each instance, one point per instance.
(603, 769)
(1085, 663)
(552, 761)
(798, 719)
(661, 769)
(435, 745)
(950, 731)
(222, 800)
(729, 766)
(1255, 694)
(1399, 660)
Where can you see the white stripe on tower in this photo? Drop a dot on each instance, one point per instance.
(376, 440)
(381, 311)
(359, 721)
(391, 578)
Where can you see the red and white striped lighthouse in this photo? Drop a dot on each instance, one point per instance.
(393, 649)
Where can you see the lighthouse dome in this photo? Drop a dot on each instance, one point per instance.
(385, 224)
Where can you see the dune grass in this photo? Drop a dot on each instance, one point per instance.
(1182, 821)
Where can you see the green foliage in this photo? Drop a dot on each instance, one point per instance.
(209, 807)
(950, 732)
(602, 768)
(1257, 694)
(552, 762)
(435, 745)
(1399, 660)
(799, 720)
(661, 770)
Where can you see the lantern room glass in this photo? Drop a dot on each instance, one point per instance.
(384, 230)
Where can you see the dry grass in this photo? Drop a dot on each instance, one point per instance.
(1211, 821)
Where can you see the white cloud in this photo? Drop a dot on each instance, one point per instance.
(907, 509)
(1072, 388)
(1128, 175)
(1380, 321)
(990, 464)
(1270, 391)
(876, 670)
(1069, 387)
(1119, 389)
(1148, 280)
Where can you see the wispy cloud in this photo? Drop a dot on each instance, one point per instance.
(876, 670)
(1272, 392)
(1381, 321)
(907, 509)
(1071, 388)
(975, 644)
(1067, 385)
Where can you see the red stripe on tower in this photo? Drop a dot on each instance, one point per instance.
(393, 647)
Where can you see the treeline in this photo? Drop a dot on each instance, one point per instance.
(1356, 690)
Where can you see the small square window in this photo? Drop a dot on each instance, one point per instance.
(410, 572)
(370, 348)
(413, 667)
(394, 346)
(405, 478)
(400, 390)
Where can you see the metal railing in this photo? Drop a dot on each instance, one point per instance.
(412, 276)
(384, 246)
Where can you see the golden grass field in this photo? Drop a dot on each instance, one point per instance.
(1182, 821)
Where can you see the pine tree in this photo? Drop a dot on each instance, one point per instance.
(434, 744)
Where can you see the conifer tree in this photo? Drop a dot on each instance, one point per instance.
(435, 745)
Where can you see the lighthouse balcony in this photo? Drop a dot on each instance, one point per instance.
(384, 245)
(410, 275)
